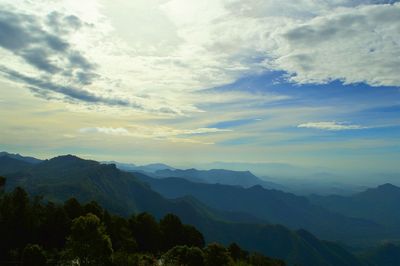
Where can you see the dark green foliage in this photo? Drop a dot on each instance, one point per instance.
(118, 230)
(73, 208)
(122, 193)
(217, 255)
(54, 226)
(237, 253)
(260, 260)
(89, 244)
(147, 232)
(174, 233)
(184, 256)
(33, 255)
(2, 182)
(105, 240)
(133, 259)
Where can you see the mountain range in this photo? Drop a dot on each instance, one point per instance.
(68, 176)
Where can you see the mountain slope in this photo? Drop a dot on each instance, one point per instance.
(19, 157)
(66, 176)
(217, 176)
(380, 204)
(11, 165)
(385, 255)
(272, 205)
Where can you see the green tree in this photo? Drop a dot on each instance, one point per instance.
(146, 232)
(93, 207)
(237, 253)
(73, 208)
(217, 255)
(55, 226)
(2, 183)
(89, 243)
(261, 260)
(192, 236)
(118, 229)
(33, 255)
(184, 256)
(172, 230)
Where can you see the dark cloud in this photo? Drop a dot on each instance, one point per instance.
(40, 59)
(63, 24)
(42, 43)
(46, 88)
(39, 46)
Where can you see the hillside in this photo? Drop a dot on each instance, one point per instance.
(217, 176)
(272, 205)
(68, 176)
(380, 204)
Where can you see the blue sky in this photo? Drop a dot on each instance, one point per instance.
(307, 83)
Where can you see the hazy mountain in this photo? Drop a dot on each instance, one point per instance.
(217, 176)
(272, 205)
(10, 165)
(62, 177)
(385, 255)
(380, 204)
(148, 168)
(19, 157)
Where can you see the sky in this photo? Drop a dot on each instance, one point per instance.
(309, 83)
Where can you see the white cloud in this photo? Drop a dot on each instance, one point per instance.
(150, 55)
(350, 44)
(119, 131)
(156, 132)
(331, 126)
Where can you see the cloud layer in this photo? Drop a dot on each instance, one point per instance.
(88, 53)
(331, 126)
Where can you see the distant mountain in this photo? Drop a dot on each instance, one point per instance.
(217, 176)
(385, 255)
(19, 157)
(380, 204)
(10, 165)
(272, 205)
(148, 168)
(68, 176)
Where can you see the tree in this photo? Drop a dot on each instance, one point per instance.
(193, 237)
(172, 231)
(177, 234)
(89, 243)
(2, 183)
(237, 253)
(184, 256)
(73, 208)
(261, 260)
(118, 229)
(33, 255)
(146, 232)
(217, 255)
(55, 226)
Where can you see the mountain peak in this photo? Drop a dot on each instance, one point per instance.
(19, 157)
(388, 187)
(68, 157)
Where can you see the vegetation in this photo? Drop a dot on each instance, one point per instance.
(63, 177)
(34, 232)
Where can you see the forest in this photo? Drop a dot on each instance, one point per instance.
(37, 232)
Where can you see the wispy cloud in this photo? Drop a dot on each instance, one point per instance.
(157, 132)
(91, 48)
(331, 126)
(119, 131)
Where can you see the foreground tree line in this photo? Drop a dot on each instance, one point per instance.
(34, 232)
